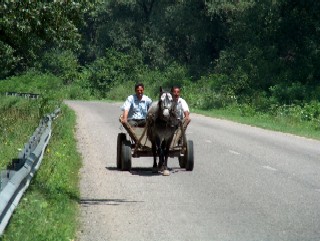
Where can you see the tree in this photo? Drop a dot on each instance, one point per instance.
(164, 31)
(273, 43)
(28, 28)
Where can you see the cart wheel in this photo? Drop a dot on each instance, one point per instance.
(126, 156)
(189, 157)
(120, 139)
(182, 162)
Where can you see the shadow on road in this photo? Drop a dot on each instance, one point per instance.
(97, 201)
(144, 171)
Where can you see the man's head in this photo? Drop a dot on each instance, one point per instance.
(139, 89)
(175, 91)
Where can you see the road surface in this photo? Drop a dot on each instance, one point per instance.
(248, 184)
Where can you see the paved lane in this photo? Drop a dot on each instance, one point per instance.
(247, 184)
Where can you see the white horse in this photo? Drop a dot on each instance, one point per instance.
(162, 123)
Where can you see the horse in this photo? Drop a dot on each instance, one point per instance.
(162, 121)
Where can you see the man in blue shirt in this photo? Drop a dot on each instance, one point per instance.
(135, 108)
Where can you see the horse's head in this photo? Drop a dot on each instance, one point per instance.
(167, 106)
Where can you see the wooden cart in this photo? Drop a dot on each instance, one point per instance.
(135, 144)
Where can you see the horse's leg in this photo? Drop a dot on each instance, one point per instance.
(165, 148)
(160, 153)
(161, 159)
(154, 153)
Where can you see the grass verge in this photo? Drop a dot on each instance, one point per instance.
(49, 208)
(18, 120)
(266, 121)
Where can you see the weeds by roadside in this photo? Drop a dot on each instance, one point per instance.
(18, 120)
(48, 210)
(275, 122)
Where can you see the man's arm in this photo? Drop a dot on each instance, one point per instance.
(125, 108)
(186, 115)
(185, 109)
(125, 116)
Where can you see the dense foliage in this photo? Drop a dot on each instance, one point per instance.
(258, 54)
(30, 28)
(259, 59)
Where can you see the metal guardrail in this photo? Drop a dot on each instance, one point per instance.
(16, 179)
(24, 95)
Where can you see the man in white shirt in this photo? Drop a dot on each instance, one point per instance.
(182, 106)
(135, 108)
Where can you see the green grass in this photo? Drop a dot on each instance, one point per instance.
(18, 120)
(49, 208)
(267, 121)
(50, 87)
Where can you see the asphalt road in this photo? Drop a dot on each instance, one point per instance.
(248, 184)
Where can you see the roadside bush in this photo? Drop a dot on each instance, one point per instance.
(76, 92)
(152, 80)
(199, 97)
(63, 64)
(113, 69)
(309, 112)
(288, 93)
(8, 60)
(49, 86)
(206, 94)
(260, 101)
(18, 119)
(247, 110)
(173, 74)
(120, 91)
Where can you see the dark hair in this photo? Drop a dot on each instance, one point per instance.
(174, 87)
(137, 85)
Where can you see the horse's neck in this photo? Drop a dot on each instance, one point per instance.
(153, 111)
